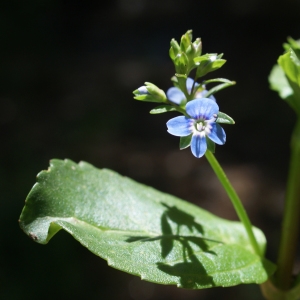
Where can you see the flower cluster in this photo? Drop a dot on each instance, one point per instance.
(198, 126)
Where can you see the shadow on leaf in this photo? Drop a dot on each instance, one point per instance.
(190, 270)
(181, 218)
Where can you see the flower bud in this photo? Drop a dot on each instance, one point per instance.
(150, 93)
(181, 63)
(198, 46)
(174, 50)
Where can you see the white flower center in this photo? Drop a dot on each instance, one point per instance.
(202, 126)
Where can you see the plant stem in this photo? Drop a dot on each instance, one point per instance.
(238, 206)
(290, 224)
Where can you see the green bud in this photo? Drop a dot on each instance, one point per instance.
(181, 63)
(191, 52)
(174, 50)
(150, 93)
(198, 46)
(189, 33)
(185, 42)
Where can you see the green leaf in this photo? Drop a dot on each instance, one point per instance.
(140, 230)
(205, 57)
(211, 146)
(219, 87)
(208, 63)
(223, 118)
(287, 89)
(294, 44)
(219, 80)
(162, 109)
(185, 141)
(290, 64)
(279, 83)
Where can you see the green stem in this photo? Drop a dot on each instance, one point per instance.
(238, 206)
(271, 292)
(291, 218)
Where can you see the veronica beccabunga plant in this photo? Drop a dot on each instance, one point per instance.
(157, 236)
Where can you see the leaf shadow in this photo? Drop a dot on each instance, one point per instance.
(191, 271)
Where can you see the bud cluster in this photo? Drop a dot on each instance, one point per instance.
(187, 56)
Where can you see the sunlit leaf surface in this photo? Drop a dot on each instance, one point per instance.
(140, 230)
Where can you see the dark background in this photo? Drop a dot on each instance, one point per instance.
(67, 72)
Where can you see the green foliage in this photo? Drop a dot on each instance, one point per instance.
(208, 63)
(294, 44)
(285, 78)
(140, 230)
(219, 87)
(162, 109)
(187, 56)
(223, 118)
(185, 141)
(211, 146)
(290, 64)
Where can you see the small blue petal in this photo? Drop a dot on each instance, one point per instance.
(203, 107)
(175, 95)
(217, 134)
(198, 145)
(212, 97)
(189, 84)
(203, 93)
(179, 126)
(143, 90)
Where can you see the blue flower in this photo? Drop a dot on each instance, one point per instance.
(175, 95)
(201, 124)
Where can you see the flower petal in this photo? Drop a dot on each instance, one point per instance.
(175, 95)
(143, 90)
(180, 126)
(217, 134)
(198, 145)
(189, 84)
(212, 97)
(203, 93)
(202, 108)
